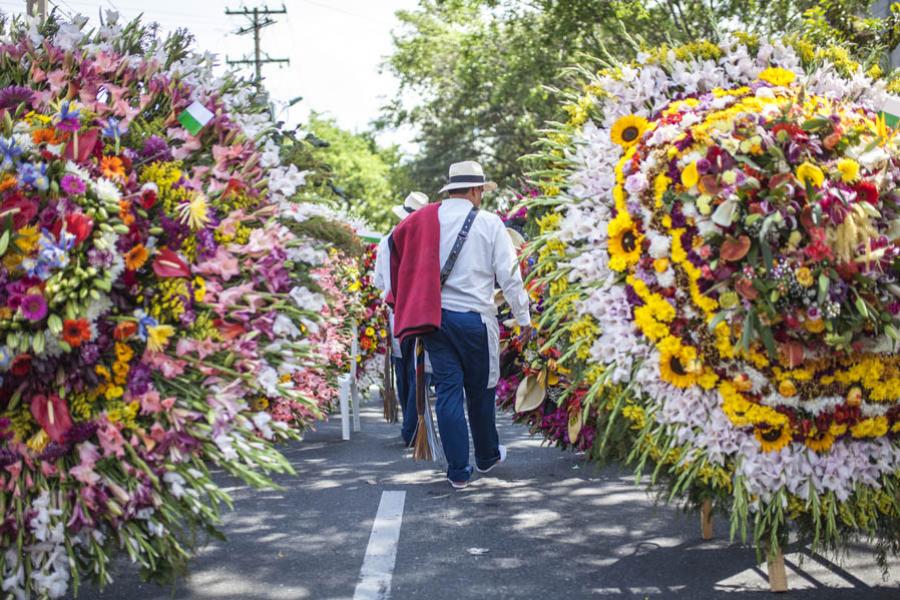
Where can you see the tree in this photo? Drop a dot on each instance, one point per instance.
(367, 180)
(480, 67)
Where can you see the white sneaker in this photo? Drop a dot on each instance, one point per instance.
(502, 449)
(458, 485)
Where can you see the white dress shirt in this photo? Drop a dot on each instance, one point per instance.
(382, 280)
(487, 256)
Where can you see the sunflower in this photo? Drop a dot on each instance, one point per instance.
(773, 438)
(679, 365)
(820, 441)
(628, 130)
(624, 245)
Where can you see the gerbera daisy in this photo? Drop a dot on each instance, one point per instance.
(76, 331)
(772, 438)
(136, 257)
(112, 167)
(34, 307)
(628, 130)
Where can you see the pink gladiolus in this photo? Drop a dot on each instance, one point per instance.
(111, 440)
(223, 264)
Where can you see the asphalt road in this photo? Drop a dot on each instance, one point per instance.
(542, 525)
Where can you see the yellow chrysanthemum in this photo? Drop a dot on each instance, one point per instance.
(777, 76)
(194, 213)
(849, 170)
(810, 173)
(628, 130)
(158, 336)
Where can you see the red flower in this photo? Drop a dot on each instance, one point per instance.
(169, 264)
(817, 250)
(124, 330)
(87, 140)
(149, 194)
(52, 414)
(27, 209)
(76, 331)
(21, 365)
(78, 224)
(867, 191)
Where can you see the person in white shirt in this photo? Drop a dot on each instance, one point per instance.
(465, 350)
(403, 357)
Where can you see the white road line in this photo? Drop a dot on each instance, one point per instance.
(381, 553)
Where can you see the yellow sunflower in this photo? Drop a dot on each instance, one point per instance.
(773, 438)
(624, 244)
(679, 365)
(628, 130)
(819, 441)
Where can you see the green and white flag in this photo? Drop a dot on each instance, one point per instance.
(195, 117)
(373, 237)
(890, 110)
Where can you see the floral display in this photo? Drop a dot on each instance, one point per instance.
(716, 248)
(371, 315)
(157, 311)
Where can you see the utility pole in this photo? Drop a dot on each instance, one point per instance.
(39, 6)
(256, 24)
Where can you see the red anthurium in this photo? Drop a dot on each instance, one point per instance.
(169, 264)
(52, 414)
(86, 142)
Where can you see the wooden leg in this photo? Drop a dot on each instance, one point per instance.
(355, 396)
(777, 574)
(706, 524)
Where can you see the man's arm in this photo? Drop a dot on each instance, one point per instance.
(382, 279)
(506, 270)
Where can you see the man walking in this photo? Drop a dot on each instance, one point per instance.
(462, 333)
(402, 355)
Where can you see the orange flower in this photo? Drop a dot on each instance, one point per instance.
(112, 167)
(76, 331)
(8, 182)
(136, 257)
(125, 212)
(44, 136)
(125, 329)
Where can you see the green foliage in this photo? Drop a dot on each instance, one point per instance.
(480, 69)
(360, 173)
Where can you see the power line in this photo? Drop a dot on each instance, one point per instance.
(259, 18)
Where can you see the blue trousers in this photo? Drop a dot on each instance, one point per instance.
(405, 370)
(460, 364)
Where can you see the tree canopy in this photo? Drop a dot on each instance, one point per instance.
(480, 69)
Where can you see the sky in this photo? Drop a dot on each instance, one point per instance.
(335, 48)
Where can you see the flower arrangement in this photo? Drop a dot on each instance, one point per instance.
(718, 252)
(153, 323)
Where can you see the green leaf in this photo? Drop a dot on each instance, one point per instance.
(824, 283)
(861, 307)
(4, 242)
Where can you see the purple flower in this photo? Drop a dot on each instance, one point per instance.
(34, 307)
(139, 379)
(72, 185)
(80, 432)
(155, 148)
(13, 95)
(8, 457)
(68, 118)
(53, 452)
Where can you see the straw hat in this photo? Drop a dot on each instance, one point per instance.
(465, 175)
(414, 201)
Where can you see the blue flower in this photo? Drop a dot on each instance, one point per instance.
(68, 119)
(144, 321)
(52, 255)
(34, 175)
(112, 128)
(9, 151)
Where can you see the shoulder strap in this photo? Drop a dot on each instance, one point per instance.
(457, 246)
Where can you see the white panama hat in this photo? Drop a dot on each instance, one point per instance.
(467, 174)
(414, 201)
